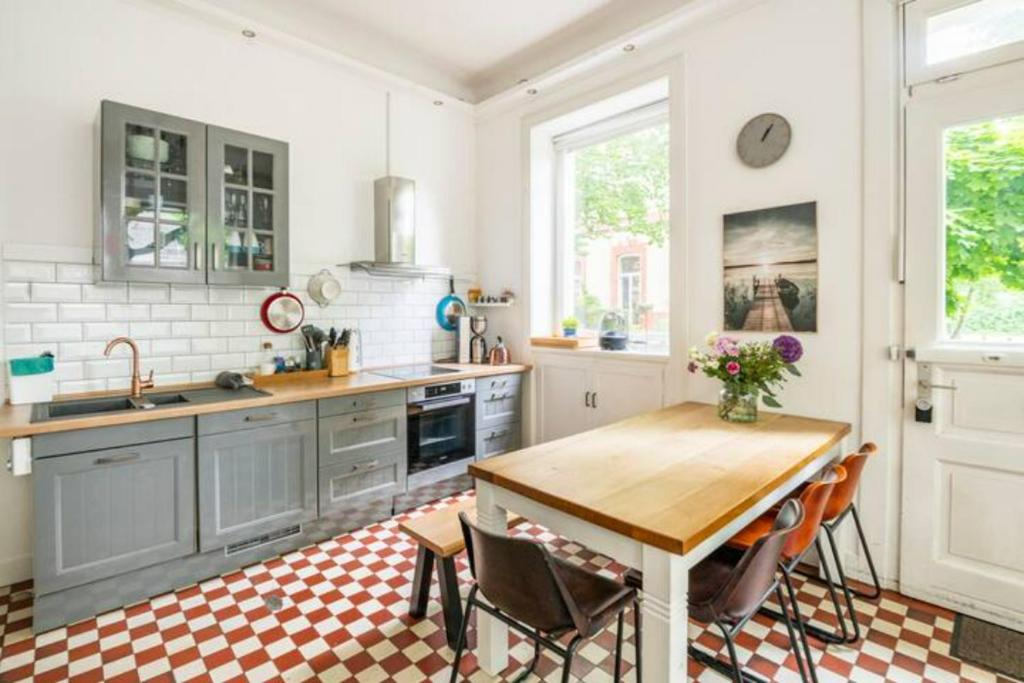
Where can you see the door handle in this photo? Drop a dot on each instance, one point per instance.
(197, 255)
(593, 400)
(586, 399)
(117, 459)
(266, 417)
(214, 261)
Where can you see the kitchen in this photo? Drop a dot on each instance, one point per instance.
(230, 185)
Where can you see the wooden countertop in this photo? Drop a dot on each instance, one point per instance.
(670, 478)
(15, 420)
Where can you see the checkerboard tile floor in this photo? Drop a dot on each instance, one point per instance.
(337, 612)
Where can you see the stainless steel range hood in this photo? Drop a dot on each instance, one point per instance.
(394, 232)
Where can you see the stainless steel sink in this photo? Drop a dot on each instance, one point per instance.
(56, 410)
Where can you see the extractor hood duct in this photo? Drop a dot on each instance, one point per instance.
(394, 225)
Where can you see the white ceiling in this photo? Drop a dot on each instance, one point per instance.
(470, 49)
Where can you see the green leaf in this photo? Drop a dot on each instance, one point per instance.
(792, 370)
(770, 402)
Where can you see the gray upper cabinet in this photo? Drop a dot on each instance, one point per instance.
(186, 202)
(247, 226)
(255, 481)
(109, 511)
(153, 197)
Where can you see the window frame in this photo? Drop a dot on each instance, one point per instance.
(630, 121)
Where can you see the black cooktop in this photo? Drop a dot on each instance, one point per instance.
(414, 371)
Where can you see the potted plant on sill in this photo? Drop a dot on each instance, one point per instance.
(747, 371)
(569, 326)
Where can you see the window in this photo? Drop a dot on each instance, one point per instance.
(613, 226)
(984, 224)
(974, 27)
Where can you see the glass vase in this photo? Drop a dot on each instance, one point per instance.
(737, 404)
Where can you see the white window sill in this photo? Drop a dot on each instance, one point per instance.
(630, 354)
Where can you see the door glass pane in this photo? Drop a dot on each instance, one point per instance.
(140, 194)
(173, 246)
(138, 143)
(141, 243)
(262, 211)
(236, 165)
(176, 158)
(236, 208)
(236, 250)
(173, 200)
(263, 170)
(263, 252)
(973, 28)
(984, 216)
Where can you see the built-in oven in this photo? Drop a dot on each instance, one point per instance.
(440, 431)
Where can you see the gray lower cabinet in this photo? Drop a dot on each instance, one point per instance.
(109, 511)
(362, 454)
(499, 407)
(498, 440)
(255, 481)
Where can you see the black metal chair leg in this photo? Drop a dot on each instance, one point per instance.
(533, 664)
(737, 673)
(617, 676)
(463, 628)
(448, 579)
(847, 594)
(816, 631)
(794, 642)
(800, 625)
(569, 653)
(636, 640)
(877, 593)
(421, 582)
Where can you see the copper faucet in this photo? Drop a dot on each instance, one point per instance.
(138, 384)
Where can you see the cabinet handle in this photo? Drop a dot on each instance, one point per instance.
(197, 256)
(593, 400)
(364, 418)
(214, 262)
(586, 399)
(365, 465)
(496, 435)
(117, 459)
(266, 417)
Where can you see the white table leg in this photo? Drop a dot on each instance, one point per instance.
(491, 634)
(664, 616)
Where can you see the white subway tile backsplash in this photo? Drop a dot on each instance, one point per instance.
(206, 312)
(131, 312)
(19, 333)
(29, 271)
(190, 329)
(190, 363)
(227, 329)
(105, 292)
(243, 344)
(169, 312)
(226, 295)
(76, 272)
(164, 380)
(189, 294)
(69, 371)
(56, 332)
(16, 291)
(226, 361)
(29, 350)
(76, 387)
(104, 331)
(80, 350)
(102, 369)
(243, 312)
(210, 345)
(148, 293)
(82, 312)
(148, 330)
(56, 291)
(30, 313)
(171, 346)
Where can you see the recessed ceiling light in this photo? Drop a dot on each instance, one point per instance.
(628, 47)
(248, 33)
(531, 91)
(438, 103)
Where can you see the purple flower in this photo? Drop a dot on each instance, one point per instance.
(789, 348)
(692, 366)
(727, 346)
(732, 367)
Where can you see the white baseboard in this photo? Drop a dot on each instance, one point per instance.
(15, 569)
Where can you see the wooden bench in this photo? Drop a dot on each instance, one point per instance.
(440, 536)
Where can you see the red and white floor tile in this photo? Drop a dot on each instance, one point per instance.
(337, 612)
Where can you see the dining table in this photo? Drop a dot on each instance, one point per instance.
(657, 492)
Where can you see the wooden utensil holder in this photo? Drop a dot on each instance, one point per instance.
(337, 362)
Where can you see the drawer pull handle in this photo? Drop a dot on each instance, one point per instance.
(118, 459)
(497, 435)
(266, 417)
(365, 465)
(364, 418)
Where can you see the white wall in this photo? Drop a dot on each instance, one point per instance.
(59, 58)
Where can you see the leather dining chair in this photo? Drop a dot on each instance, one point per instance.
(814, 497)
(539, 595)
(730, 586)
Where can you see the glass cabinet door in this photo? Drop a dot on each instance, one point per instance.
(247, 184)
(153, 196)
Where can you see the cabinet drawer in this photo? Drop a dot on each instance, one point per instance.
(502, 439)
(256, 481)
(236, 420)
(499, 405)
(360, 402)
(107, 512)
(498, 382)
(365, 479)
(79, 440)
(353, 437)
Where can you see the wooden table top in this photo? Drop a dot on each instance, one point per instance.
(670, 478)
(16, 420)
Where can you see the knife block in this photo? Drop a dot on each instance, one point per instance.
(337, 362)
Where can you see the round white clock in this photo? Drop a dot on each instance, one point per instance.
(763, 140)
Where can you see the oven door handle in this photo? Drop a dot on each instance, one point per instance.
(417, 408)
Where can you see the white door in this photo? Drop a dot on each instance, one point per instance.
(963, 472)
(620, 390)
(563, 397)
